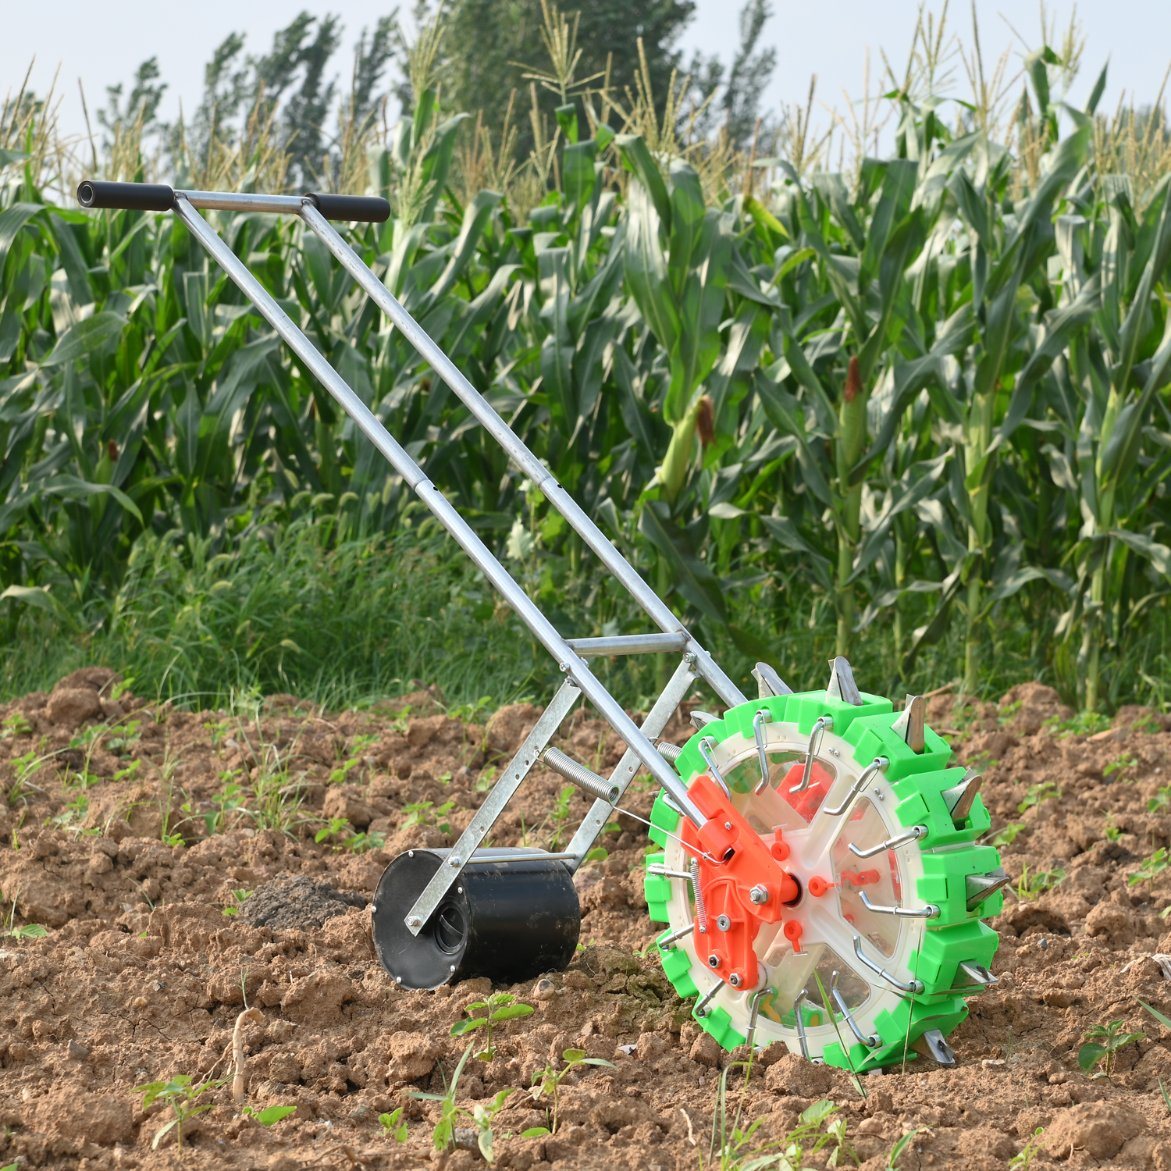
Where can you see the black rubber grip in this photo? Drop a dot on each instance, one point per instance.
(367, 208)
(131, 196)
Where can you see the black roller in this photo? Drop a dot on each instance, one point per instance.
(508, 921)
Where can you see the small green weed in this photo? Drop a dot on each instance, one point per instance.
(1102, 1044)
(1025, 1156)
(182, 1093)
(1120, 765)
(15, 724)
(421, 813)
(1038, 794)
(1150, 868)
(547, 1084)
(269, 1115)
(393, 1125)
(239, 898)
(1160, 800)
(1007, 834)
(26, 931)
(1030, 884)
(451, 1113)
(485, 1014)
(900, 1148)
(1082, 724)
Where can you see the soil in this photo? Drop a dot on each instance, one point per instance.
(172, 859)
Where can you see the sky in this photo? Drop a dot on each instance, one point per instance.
(100, 44)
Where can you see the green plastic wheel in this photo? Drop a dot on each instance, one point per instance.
(877, 955)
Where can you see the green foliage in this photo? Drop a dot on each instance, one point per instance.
(921, 406)
(1032, 883)
(269, 1115)
(182, 1094)
(1037, 794)
(451, 1114)
(494, 1009)
(1023, 1159)
(393, 1125)
(1103, 1043)
(547, 1084)
(1150, 868)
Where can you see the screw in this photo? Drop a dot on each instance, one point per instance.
(414, 921)
(713, 961)
(734, 979)
(455, 861)
(727, 825)
(723, 922)
(759, 894)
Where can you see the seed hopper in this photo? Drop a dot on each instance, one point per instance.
(819, 879)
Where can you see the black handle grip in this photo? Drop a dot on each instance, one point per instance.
(367, 208)
(131, 196)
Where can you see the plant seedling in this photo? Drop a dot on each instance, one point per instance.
(1037, 882)
(393, 1125)
(496, 1008)
(1024, 1157)
(1150, 868)
(451, 1113)
(547, 1084)
(1103, 1042)
(270, 1115)
(1038, 794)
(182, 1093)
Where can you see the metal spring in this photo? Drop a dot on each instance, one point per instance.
(700, 906)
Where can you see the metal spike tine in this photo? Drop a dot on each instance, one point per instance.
(911, 723)
(939, 1048)
(841, 683)
(700, 720)
(983, 886)
(978, 975)
(959, 797)
(768, 682)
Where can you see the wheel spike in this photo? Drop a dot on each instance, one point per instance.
(959, 797)
(754, 1012)
(768, 682)
(841, 683)
(672, 937)
(871, 1041)
(915, 986)
(706, 999)
(939, 1048)
(910, 725)
(979, 977)
(983, 886)
(700, 720)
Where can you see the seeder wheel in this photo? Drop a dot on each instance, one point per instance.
(869, 937)
(508, 919)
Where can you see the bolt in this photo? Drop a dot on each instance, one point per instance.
(727, 825)
(759, 894)
(723, 922)
(713, 961)
(410, 853)
(734, 979)
(414, 921)
(455, 861)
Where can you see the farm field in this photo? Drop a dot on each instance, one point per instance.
(179, 885)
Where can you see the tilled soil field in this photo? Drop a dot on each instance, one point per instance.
(185, 896)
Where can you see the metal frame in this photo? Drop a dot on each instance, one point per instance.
(570, 654)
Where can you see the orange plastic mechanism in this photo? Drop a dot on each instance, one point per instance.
(743, 886)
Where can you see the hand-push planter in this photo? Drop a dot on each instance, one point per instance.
(819, 878)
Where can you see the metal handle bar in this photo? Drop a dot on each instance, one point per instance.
(159, 197)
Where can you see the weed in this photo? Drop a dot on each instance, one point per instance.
(897, 1151)
(1150, 868)
(393, 1125)
(1111, 831)
(347, 838)
(1120, 765)
(485, 780)
(1038, 794)
(1161, 1017)
(1031, 884)
(239, 898)
(496, 1008)
(182, 1093)
(421, 813)
(1160, 800)
(1102, 1043)
(1025, 1156)
(26, 931)
(1007, 834)
(14, 725)
(269, 1115)
(547, 1084)
(358, 746)
(1085, 723)
(451, 1113)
